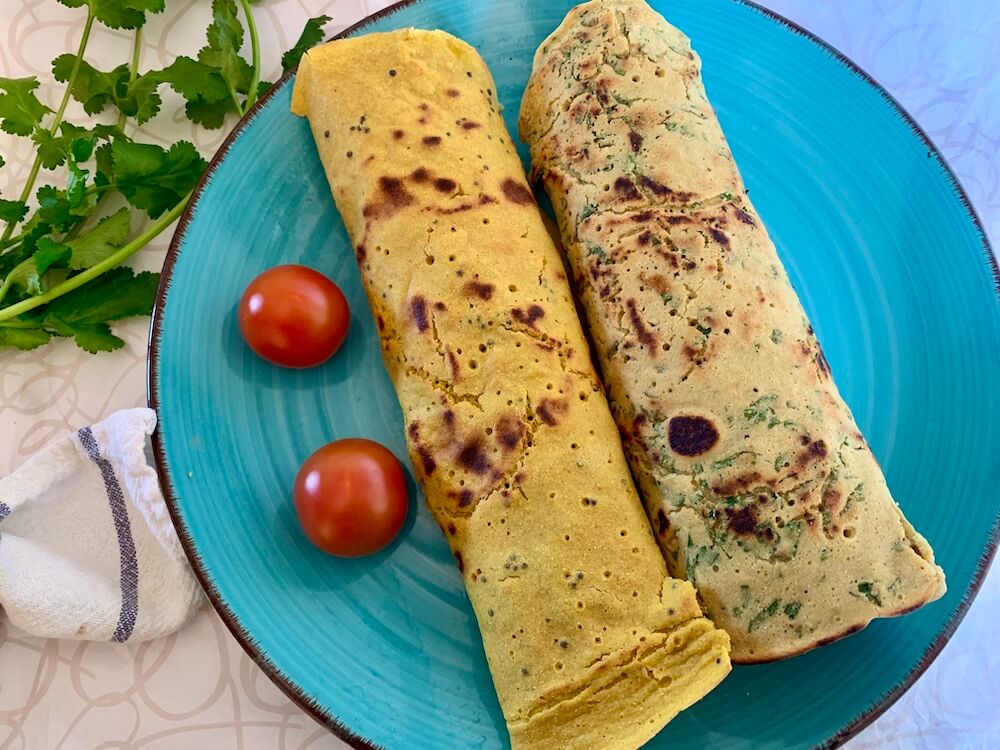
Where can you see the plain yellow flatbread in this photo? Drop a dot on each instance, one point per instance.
(590, 643)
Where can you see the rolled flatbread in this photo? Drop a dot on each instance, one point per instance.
(761, 489)
(589, 641)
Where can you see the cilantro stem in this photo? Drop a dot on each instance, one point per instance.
(116, 258)
(255, 57)
(11, 242)
(29, 184)
(133, 70)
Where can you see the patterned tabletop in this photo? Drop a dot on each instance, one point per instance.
(198, 687)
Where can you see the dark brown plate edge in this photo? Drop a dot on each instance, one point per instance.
(285, 683)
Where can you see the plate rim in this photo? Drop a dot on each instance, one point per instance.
(285, 682)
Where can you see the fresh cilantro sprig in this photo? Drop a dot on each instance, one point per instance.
(61, 253)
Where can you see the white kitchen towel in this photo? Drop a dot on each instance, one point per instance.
(87, 548)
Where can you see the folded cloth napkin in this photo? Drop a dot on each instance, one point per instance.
(87, 549)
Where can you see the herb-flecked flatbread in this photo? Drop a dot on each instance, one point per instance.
(590, 643)
(760, 487)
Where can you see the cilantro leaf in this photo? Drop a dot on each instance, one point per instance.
(119, 293)
(50, 253)
(28, 273)
(96, 338)
(311, 35)
(12, 211)
(225, 31)
(54, 208)
(211, 84)
(93, 88)
(153, 179)
(105, 165)
(32, 230)
(210, 115)
(73, 141)
(76, 185)
(195, 80)
(119, 14)
(225, 37)
(25, 339)
(143, 100)
(94, 246)
(20, 110)
(91, 337)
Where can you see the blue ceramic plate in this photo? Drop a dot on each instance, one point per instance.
(879, 240)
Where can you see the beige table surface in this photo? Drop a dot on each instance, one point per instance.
(197, 688)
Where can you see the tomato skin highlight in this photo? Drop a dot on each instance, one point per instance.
(351, 497)
(294, 316)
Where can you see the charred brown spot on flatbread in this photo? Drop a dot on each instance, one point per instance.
(479, 289)
(418, 309)
(392, 197)
(657, 281)
(515, 192)
(645, 336)
(821, 362)
(744, 217)
(470, 125)
(662, 191)
(691, 435)
(635, 141)
(742, 521)
(831, 499)
(815, 451)
(445, 185)
(431, 140)
(720, 237)
(662, 522)
(737, 485)
(668, 255)
(456, 370)
(550, 409)
(426, 459)
(452, 93)
(637, 422)
(459, 561)
(627, 189)
(529, 316)
(472, 456)
(509, 430)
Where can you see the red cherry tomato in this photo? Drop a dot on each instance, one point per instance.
(351, 497)
(294, 316)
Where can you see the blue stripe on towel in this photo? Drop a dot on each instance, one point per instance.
(126, 545)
